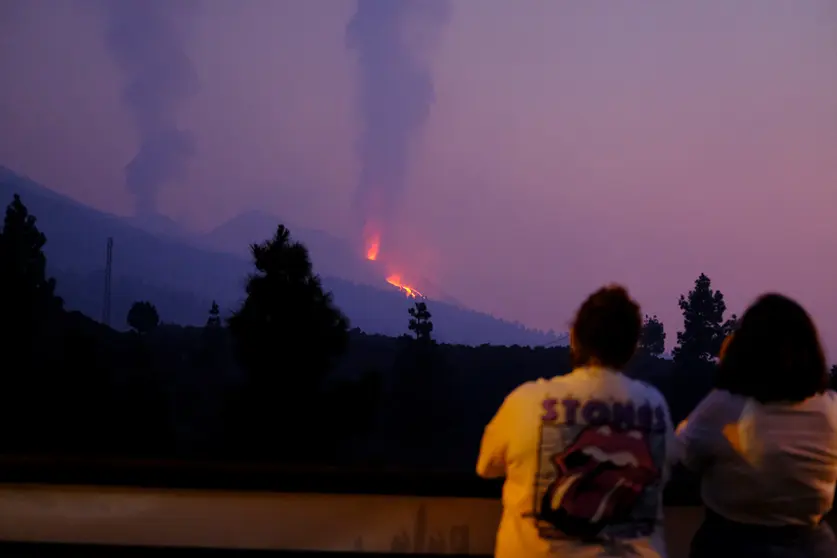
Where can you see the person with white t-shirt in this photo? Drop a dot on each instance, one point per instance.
(585, 456)
(764, 442)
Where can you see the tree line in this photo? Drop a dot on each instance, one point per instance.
(284, 376)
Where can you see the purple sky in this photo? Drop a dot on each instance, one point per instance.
(570, 143)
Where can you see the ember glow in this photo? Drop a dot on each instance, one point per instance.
(372, 249)
(372, 240)
(395, 280)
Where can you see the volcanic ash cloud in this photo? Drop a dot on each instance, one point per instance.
(146, 39)
(394, 98)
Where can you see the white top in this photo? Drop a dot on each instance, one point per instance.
(586, 457)
(773, 464)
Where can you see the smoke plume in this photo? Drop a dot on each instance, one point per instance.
(146, 40)
(395, 96)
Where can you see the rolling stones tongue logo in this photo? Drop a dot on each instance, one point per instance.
(600, 476)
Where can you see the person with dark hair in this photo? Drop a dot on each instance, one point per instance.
(585, 456)
(765, 442)
(721, 382)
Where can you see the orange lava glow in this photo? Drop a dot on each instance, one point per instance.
(373, 246)
(395, 281)
(372, 250)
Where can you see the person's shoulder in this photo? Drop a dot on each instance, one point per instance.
(822, 405)
(532, 388)
(829, 397)
(649, 391)
(824, 402)
(829, 407)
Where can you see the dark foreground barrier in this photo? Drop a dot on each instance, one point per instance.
(132, 508)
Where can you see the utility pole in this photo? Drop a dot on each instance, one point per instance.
(108, 266)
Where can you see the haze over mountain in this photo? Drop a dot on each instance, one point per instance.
(332, 256)
(182, 273)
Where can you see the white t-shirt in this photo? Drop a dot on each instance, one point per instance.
(773, 464)
(585, 457)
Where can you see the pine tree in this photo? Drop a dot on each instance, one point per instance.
(704, 327)
(214, 319)
(29, 298)
(31, 342)
(653, 337)
(286, 336)
(422, 401)
(288, 322)
(420, 323)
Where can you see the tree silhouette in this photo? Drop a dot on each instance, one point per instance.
(287, 314)
(214, 319)
(422, 401)
(23, 270)
(213, 340)
(31, 344)
(29, 295)
(704, 327)
(420, 323)
(143, 317)
(653, 338)
(286, 335)
(730, 325)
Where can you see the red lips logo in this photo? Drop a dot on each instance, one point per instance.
(600, 477)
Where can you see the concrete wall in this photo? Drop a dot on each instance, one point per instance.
(262, 520)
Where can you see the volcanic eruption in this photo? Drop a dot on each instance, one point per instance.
(395, 93)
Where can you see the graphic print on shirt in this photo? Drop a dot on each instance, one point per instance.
(600, 469)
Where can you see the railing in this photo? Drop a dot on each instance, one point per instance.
(148, 506)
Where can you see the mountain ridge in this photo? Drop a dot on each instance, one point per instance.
(182, 278)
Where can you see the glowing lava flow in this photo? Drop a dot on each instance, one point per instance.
(373, 247)
(395, 280)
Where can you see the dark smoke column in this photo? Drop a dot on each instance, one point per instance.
(145, 38)
(396, 93)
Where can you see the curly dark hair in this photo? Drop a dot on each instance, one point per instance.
(775, 354)
(606, 329)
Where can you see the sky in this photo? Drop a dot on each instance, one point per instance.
(567, 145)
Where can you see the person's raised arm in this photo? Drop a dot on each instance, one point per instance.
(699, 436)
(672, 445)
(491, 462)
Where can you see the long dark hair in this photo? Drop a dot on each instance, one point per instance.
(775, 353)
